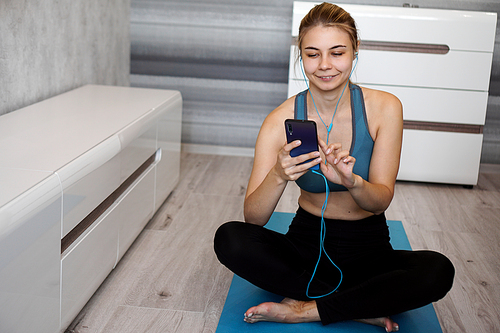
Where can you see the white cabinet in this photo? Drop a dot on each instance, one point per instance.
(438, 63)
(80, 176)
(30, 251)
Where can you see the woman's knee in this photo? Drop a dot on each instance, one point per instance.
(440, 274)
(227, 242)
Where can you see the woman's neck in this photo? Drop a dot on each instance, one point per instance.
(325, 102)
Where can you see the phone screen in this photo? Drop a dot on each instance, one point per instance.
(305, 131)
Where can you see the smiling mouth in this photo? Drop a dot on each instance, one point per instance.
(329, 77)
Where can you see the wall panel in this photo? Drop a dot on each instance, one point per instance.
(48, 47)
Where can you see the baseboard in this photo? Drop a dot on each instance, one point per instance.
(217, 150)
(489, 168)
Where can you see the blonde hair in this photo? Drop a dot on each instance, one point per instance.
(328, 15)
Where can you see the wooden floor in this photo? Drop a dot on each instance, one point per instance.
(171, 281)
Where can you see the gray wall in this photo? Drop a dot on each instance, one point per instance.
(229, 59)
(48, 47)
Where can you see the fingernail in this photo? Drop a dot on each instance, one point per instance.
(335, 161)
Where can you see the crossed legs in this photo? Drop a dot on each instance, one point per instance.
(402, 280)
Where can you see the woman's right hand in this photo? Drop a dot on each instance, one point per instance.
(273, 167)
(291, 168)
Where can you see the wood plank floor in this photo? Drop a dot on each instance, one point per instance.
(171, 281)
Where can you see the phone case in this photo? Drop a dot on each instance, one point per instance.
(305, 131)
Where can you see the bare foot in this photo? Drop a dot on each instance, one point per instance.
(385, 322)
(288, 311)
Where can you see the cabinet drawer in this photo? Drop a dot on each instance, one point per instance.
(88, 192)
(425, 70)
(441, 157)
(90, 258)
(416, 69)
(169, 141)
(440, 105)
(135, 210)
(88, 263)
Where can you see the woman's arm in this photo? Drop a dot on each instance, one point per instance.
(387, 124)
(272, 169)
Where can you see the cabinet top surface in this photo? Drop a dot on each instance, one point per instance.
(38, 140)
(46, 135)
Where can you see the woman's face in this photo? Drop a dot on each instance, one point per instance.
(327, 55)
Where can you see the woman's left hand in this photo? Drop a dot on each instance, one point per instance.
(339, 164)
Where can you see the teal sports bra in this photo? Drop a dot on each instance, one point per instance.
(361, 143)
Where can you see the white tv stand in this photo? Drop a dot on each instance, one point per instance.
(80, 176)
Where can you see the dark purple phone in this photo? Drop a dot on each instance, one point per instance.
(305, 131)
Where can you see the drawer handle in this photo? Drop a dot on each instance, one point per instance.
(84, 224)
(442, 127)
(404, 47)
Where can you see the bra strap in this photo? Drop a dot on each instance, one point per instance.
(300, 111)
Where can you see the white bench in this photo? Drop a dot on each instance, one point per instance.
(80, 176)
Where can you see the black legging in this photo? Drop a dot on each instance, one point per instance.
(377, 280)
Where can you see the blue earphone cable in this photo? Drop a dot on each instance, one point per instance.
(327, 191)
(321, 244)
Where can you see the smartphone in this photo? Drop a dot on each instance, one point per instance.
(305, 131)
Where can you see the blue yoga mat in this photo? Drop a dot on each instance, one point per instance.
(242, 295)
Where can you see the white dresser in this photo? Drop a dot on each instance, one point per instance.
(80, 176)
(438, 63)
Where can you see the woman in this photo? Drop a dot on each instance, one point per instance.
(359, 135)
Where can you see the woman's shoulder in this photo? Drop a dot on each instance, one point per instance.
(381, 102)
(282, 112)
(272, 132)
(383, 111)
